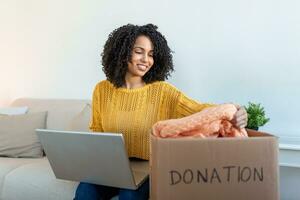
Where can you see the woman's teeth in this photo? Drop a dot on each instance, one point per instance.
(142, 67)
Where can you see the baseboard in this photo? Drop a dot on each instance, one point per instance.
(289, 152)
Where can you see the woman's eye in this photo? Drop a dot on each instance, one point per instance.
(138, 52)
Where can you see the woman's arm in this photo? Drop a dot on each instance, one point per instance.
(96, 122)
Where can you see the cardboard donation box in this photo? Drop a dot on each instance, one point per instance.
(215, 169)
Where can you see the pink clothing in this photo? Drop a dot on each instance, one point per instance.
(210, 122)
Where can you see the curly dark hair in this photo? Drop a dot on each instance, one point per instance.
(118, 49)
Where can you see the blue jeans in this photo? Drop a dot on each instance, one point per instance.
(88, 191)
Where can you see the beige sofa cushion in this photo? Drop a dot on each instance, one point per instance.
(18, 137)
(8, 165)
(60, 111)
(36, 181)
(81, 121)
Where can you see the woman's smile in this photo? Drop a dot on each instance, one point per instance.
(142, 67)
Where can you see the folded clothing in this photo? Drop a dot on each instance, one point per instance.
(210, 122)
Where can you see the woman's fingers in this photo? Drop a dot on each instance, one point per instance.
(241, 117)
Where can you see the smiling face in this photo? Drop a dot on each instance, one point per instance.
(141, 57)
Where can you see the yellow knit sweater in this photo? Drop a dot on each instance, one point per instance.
(132, 112)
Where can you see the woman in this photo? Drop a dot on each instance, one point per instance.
(136, 60)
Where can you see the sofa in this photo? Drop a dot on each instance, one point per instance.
(32, 178)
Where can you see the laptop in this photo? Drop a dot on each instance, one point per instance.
(92, 157)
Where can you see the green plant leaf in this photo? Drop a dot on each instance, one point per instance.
(256, 115)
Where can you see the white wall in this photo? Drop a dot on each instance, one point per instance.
(225, 51)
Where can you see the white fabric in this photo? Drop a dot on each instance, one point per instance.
(13, 110)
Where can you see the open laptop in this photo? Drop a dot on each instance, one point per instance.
(99, 158)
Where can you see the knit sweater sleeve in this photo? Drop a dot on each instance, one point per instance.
(187, 106)
(96, 122)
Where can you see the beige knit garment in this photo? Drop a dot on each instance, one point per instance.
(210, 122)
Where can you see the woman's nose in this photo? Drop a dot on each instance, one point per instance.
(145, 58)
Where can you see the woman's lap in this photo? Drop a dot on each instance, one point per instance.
(141, 193)
(89, 191)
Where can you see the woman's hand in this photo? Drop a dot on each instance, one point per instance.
(240, 118)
